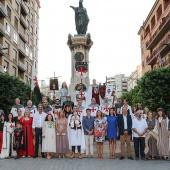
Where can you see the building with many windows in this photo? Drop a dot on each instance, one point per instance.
(135, 75)
(155, 37)
(19, 33)
(119, 82)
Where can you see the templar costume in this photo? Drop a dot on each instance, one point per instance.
(81, 111)
(32, 109)
(94, 108)
(81, 95)
(105, 107)
(15, 108)
(56, 109)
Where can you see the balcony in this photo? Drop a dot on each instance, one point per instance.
(2, 30)
(24, 8)
(21, 66)
(24, 22)
(159, 33)
(166, 63)
(3, 11)
(22, 51)
(1, 69)
(23, 36)
(162, 49)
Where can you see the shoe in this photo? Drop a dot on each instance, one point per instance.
(91, 156)
(144, 159)
(72, 156)
(130, 157)
(17, 157)
(86, 156)
(121, 158)
(42, 155)
(137, 159)
(79, 155)
(35, 156)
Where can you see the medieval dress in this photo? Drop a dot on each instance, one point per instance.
(63, 94)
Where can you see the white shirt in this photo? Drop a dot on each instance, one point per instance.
(38, 120)
(140, 126)
(125, 121)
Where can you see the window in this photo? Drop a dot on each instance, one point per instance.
(26, 79)
(14, 71)
(6, 66)
(9, 12)
(6, 46)
(32, 17)
(7, 29)
(36, 42)
(30, 69)
(35, 65)
(153, 22)
(31, 55)
(22, 43)
(31, 30)
(26, 65)
(143, 64)
(31, 42)
(14, 55)
(15, 37)
(16, 22)
(166, 3)
(16, 6)
(27, 50)
(159, 12)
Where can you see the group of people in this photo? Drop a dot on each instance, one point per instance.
(67, 126)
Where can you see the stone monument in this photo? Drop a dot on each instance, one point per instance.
(79, 45)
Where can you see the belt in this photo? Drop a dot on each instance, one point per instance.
(38, 127)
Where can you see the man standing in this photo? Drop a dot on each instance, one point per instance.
(105, 106)
(88, 126)
(37, 124)
(124, 123)
(81, 109)
(140, 128)
(31, 108)
(94, 107)
(56, 108)
(125, 104)
(16, 107)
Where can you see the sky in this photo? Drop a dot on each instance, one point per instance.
(113, 26)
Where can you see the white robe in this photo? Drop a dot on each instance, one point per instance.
(84, 102)
(7, 131)
(14, 111)
(76, 137)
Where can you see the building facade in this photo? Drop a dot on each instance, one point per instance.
(19, 33)
(136, 75)
(155, 37)
(119, 83)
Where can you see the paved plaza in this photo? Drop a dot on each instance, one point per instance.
(84, 164)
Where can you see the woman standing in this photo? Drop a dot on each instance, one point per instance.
(112, 130)
(9, 127)
(100, 132)
(2, 123)
(152, 142)
(26, 122)
(49, 136)
(62, 137)
(63, 92)
(17, 118)
(163, 133)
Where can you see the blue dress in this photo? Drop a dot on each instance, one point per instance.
(112, 127)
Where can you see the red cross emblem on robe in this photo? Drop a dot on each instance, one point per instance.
(93, 109)
(11, 125)
(106, 108)
(80, 112)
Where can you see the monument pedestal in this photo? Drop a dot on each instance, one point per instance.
(79, 46)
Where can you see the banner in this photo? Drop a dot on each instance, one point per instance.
(53, 84)
(108, 91)
(81, 70)
(102, 90)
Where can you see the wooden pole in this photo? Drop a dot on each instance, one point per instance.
(31, 95)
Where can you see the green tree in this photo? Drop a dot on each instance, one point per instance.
(152, 90)
(12, 87)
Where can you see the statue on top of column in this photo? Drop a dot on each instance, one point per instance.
(81, 18)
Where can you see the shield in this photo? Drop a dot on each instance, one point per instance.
(81, 70)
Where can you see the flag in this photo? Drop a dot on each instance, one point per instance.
(81, 70)
(102, 90)
(108, 91)
(34, 83)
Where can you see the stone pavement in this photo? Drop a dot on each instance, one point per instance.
(84, 164)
